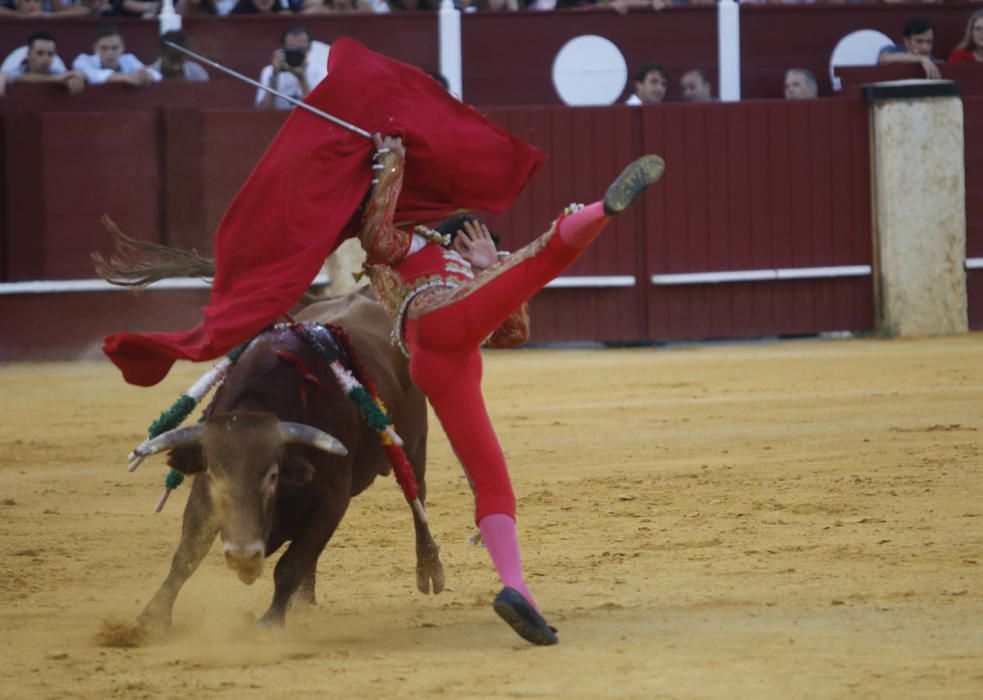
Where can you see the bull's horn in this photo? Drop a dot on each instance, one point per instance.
(179, 437)
(306, 435)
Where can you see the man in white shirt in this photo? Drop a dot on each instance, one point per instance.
(39, 65)
(174, 65)
(292, 70)
(651, 83)
(109, 64)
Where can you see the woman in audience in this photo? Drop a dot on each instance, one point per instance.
(970, 49)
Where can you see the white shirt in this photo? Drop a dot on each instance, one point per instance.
(633, 100)
(288, 83)
(18, 57)
(90, 66)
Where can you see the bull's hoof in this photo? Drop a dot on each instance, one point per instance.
(270, 621)
(429, 574)
(154, 623)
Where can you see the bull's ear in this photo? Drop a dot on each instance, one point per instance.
(187, 459)
(296, 470)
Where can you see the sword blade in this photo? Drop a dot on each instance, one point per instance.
(256, 83)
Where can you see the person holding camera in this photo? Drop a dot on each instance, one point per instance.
(291, 70)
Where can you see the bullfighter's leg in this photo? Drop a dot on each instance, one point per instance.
(300, 559)
(429, 568)
(453, 383)
(484, 304)
(198, 532)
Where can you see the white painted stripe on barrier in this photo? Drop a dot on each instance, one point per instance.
(974, 263)
(791, 273)
(592, 281)
(97, 285)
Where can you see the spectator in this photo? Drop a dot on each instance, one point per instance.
(24, 9)
(290, 71)
(317, 7)
(109, 64)
(410, 5)
(39, 65)
(193, 8)
(970, 49)
(696, 86)
(651, 83)
(258, 7)
(146, 9)
(800, 84)
(174, 65)
(918, 37)
(84, 8)
(16, 57)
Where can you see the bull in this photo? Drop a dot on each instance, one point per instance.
(282, 452)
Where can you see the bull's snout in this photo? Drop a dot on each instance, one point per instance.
(246, 560)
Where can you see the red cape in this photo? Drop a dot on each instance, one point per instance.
(302, 198)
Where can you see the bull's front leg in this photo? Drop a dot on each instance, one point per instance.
(299, 561)
(198, 532)
(429, 568)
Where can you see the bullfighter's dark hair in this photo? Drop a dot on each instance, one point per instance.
(450, 227)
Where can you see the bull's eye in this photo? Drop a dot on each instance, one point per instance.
(272, 475)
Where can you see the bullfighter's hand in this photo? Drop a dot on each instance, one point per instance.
(392, 143)
(474, 243)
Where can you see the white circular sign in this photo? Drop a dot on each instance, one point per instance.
(589, 70)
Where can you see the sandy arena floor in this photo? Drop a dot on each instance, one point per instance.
(794, 520)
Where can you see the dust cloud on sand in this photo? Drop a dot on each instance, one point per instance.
(770, 521)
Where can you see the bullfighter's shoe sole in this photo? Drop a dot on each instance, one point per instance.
(523, 618)
(632, 181)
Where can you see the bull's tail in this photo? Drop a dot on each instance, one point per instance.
(141, 263)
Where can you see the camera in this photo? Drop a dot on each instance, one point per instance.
(294, 57)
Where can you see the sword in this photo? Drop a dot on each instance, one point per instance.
(256, 83)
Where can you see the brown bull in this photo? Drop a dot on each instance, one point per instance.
(267, 470)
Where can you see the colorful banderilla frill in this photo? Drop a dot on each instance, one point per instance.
(180, 410)
(366, 398)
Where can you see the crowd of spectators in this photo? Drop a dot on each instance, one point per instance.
(652, 81)
(149, 8)
(298, 64)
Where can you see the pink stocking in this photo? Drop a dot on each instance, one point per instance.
(582, 227)
(499, 534)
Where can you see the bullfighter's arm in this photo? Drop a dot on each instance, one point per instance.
(384, 244)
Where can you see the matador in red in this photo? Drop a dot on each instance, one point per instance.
(445, 307)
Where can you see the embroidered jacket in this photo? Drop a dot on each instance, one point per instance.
(412, 272)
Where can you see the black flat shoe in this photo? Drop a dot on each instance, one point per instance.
(632, 182)
(523, 618)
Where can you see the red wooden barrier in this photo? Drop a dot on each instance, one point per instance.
(63, 172)
(587, 149)
(508, 58)
(759, 186)
(969, 77)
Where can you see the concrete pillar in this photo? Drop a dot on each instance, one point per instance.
(919, 201)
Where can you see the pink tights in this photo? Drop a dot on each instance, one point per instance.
(445, 362)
